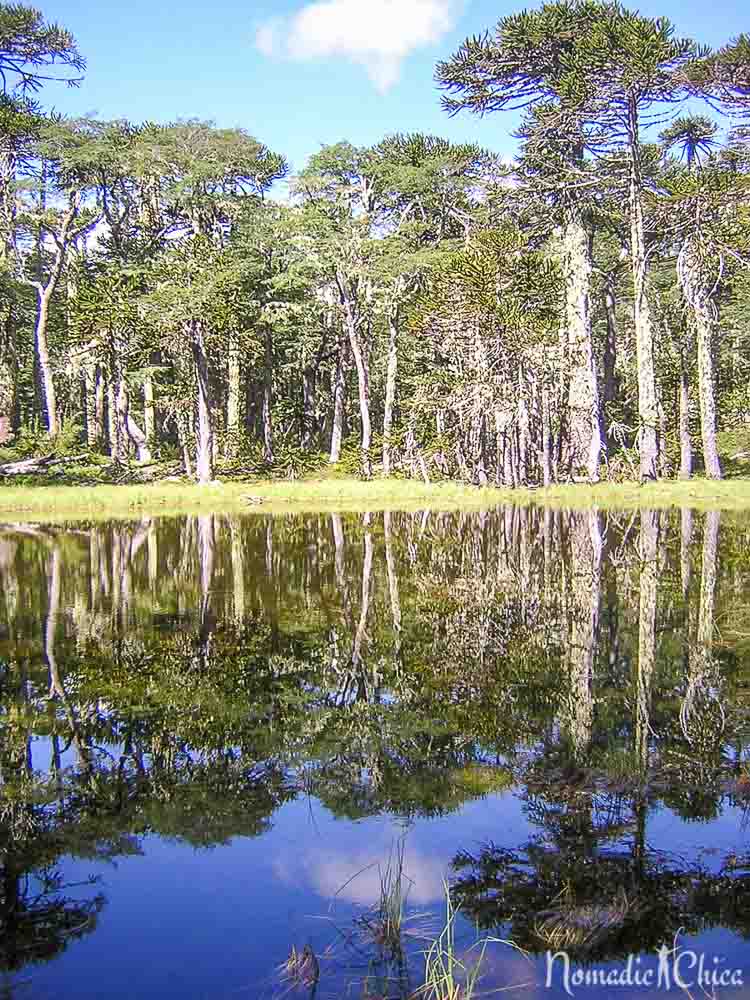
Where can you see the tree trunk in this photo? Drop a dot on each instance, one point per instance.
(149, 411)
(586, 560)
(268, 401)
(363, 380)
(117, 414)
(238, 569)
(8, 165)
(686, 546)
(152, 544)
(100, 393)
(183, 435)
(339, 398)
(686, 445)
(206, 553)
(393, 590)
(122, 415)
(44, 297)
(93, 427)
(706, 615)
(7, 245)
(7, 398)
(49, 395)
(112, 424)
(696, 287)
(139, 439)
(546, 441)
(204, 447)
(390, 387)
(697, 719)
(583, 393)
(648, 409)
(361, 632)
(234, 396)
(309, 428)
(610, 360)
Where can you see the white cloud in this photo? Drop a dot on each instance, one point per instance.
(375, 34)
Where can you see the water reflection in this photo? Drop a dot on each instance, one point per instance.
(189, 678)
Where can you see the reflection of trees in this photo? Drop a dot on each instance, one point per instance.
(38, 915)
(701, 714)
(603, 904)
(204, 670)
(589, 882)
(698, 757)
(648, 548)
(585, 571)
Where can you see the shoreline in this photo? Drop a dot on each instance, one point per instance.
(53, 502)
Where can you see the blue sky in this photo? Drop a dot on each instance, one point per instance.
(300, 73)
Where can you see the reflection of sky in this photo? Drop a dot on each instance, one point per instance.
(354, 875)
(727, 834)
(194, 925)
(183, 924)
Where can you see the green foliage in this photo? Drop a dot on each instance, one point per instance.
(35, 443)
(29, 46)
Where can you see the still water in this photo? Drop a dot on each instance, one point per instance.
(249, 756)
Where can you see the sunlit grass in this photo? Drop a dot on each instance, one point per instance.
(234, 498)
(318, 495)
(449, 975)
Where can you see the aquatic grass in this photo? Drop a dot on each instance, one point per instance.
(448, 976)
(301, 970)
(394, 893)
(383, 940)
(384, 924)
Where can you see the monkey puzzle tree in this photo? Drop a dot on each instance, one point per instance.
(31, 47)
(527, 65)
(339, 198)
(633, 66)
(700, 199)
(490, 313)
(430, 192)
(607, 67)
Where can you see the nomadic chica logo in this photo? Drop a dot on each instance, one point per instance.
(674, 968)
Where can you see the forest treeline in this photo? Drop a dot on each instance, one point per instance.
(421, 306)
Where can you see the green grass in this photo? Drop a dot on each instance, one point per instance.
(450, 974)
(276, 496)
(60, 502)
(701, 494)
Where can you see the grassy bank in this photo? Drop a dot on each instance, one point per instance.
(61, 502)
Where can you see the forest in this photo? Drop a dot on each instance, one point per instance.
(171, 293)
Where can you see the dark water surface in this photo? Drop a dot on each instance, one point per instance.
(221, 737)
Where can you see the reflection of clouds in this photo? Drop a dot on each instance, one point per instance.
(335, 874)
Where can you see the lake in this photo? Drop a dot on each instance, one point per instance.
(332, 755)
